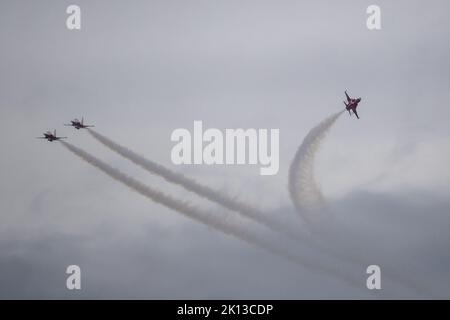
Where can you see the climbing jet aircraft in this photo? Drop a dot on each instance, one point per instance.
(351, 104)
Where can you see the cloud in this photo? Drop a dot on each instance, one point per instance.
(138, 72)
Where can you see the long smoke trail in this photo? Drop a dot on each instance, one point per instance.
(230, 203)
(200, 189)
(244, 209)
(305, 194)
(210, 220)
(305, 158)
(307, 198)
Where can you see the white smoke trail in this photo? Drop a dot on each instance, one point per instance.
(303, 189)
(230, 203)
(307, 196)
(308, 199)
(200, 189)
(304, 159)
(213, 221)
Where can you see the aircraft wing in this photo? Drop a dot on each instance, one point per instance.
(348, 98)
(356, 114)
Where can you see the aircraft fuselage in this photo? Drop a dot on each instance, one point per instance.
(352, 104)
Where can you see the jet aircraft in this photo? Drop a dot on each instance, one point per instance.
(77, 124)
(351, 105)
(51, 136)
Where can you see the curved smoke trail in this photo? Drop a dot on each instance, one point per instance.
(206, 218)
(198, 188)
(303, 189)
(307, 198)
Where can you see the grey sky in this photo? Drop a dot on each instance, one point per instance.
(141, 69)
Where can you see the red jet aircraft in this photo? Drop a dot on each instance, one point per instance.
(50, 136)
(351, 104)
(77, 124)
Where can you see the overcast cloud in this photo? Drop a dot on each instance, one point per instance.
(140, 69)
